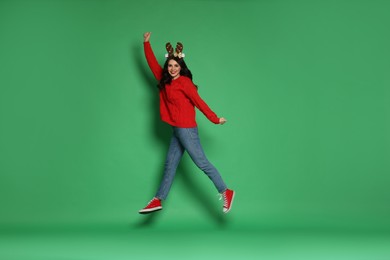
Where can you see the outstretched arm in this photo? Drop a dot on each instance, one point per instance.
(151, 58)
(192, 93)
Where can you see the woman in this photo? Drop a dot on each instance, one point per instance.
(178, 96)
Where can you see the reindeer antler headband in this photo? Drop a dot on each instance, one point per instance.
(178, 51)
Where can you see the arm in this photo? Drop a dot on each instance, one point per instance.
(192, 93)
(151, 59)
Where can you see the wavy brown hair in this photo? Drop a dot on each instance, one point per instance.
(167, 78)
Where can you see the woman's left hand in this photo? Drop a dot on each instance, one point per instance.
(222, 121)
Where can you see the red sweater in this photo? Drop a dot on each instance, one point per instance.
(178, 99)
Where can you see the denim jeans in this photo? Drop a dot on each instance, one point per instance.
(187, 139)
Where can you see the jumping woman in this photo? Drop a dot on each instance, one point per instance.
(178, 99)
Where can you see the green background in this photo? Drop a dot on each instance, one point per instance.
(304, 86)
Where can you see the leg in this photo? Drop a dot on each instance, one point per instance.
(189, 139)
(175, 152)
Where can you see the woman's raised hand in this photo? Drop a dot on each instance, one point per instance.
(147, 36)
(222, 121)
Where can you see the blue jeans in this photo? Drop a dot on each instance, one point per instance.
(187, 139)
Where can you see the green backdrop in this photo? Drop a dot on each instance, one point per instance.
(304, 86)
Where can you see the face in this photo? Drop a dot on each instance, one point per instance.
(174, 69)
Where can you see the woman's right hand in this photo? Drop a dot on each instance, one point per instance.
(147, 36)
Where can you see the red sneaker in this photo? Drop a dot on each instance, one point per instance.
(153, 205)
(228, 196)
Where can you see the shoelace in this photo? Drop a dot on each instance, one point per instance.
(150, 202)
(222, 195)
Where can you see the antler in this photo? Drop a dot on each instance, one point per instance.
(169, 48)
(179, 47)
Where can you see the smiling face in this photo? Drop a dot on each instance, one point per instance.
(174, 69)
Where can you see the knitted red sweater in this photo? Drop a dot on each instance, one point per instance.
(178, 99)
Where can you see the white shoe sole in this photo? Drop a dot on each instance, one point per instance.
(146, 211)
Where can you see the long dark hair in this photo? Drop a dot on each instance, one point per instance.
(167, 78)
